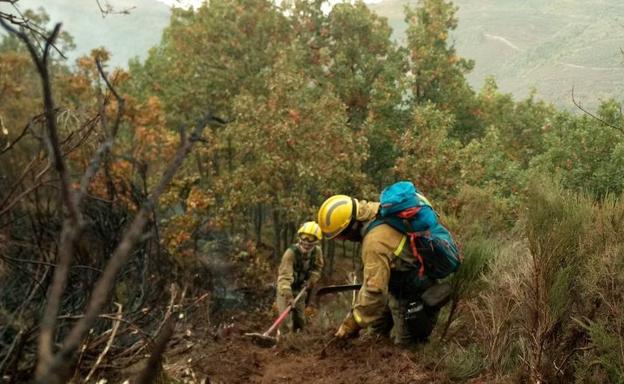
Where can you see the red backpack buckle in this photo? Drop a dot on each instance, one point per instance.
(408, 213)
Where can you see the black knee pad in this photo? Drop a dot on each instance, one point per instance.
(420, 320)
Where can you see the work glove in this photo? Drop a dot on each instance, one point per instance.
(288, 298)
(310, 312)
(348, 329)
(310, 285)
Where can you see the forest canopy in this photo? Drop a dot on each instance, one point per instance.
(262, 111)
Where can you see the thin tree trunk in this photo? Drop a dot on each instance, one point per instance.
(258, 223)
(276, 234)
(285, 238)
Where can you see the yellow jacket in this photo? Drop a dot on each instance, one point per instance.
(384, 249)
(297, 268)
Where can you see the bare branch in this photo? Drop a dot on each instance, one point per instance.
(169, 311)
(21, 195)
(27, 25)
(16, 184)
(108, 9)
(130, 324)
(152, 369)
(105, 147)
(41, 62)
(16, 340)
(48, 264)
(50, 365)
(6, 205)
(165, 330)
(593, 116)
(131, 237)
(72, 225)
(17, 139)
(116, 323)
(119, 99)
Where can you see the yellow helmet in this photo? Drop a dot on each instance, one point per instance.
(335, 215)
(310, 228)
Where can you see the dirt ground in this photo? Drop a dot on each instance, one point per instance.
(219, 352)
(226, 355)
(299, 359)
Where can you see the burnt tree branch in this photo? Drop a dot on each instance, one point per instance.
(51, 364)
(154, 367)
(72, 224)
(106, 146)
(42, 61)
(11, 144)
(27, 25)
(130, 238)
(107, 9)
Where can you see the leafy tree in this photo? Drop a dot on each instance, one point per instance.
(291, 148)
(437, 72)
(486, 163)
(585, 153)
(363, 57)
(428, 156)
(521, 124)
(207, 57)
(350, 50)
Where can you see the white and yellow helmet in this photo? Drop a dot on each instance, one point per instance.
(335, 215)
(312, 229)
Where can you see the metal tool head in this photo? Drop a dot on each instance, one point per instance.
(262, 340)
(314, 298)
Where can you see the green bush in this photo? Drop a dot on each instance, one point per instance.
(602, 318)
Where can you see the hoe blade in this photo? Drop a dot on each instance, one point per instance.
(262, 340)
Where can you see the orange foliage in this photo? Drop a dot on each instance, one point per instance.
(153, 141)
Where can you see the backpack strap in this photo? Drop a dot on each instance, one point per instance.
(412, 237)
(404, 226)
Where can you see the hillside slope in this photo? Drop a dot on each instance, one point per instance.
(125, 35)
(550, 46)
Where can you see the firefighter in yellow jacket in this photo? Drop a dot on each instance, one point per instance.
(301, 266)
(390, 300)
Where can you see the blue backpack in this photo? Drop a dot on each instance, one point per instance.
(405, 209)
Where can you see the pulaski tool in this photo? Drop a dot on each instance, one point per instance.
(265, 339)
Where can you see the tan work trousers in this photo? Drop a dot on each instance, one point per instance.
(296, 320)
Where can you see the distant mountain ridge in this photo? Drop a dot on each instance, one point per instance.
(125, 35)
(551, 46)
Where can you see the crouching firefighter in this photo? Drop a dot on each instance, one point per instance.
(404, 251)
(301, 266)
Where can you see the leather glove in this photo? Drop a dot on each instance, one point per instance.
(310, 312)
(310, 285)
(288, 298)
(348, 329)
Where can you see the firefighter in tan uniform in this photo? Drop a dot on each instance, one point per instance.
(390, 298)
(301, 266)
